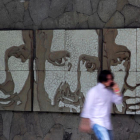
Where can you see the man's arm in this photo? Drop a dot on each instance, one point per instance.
(89, 101)
(117, 96)
(85, 125)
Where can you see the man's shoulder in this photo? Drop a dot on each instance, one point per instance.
(93, 88)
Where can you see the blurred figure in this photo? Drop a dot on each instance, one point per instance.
(98, 104)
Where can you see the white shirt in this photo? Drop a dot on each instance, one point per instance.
(98, 105)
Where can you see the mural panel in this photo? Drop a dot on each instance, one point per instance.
(120, 54)
(15, 70)
(66, 67)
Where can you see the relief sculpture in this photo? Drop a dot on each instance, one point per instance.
(66, 64)
(124, 61)
(65, 69)
(15, 70)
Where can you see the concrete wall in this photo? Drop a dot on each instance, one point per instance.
(65, 14)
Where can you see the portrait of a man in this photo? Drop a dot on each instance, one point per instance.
(66, 67)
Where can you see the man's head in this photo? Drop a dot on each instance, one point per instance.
(106, 77)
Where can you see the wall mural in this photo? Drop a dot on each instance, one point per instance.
(66, 67)
(15, 70)
(121, 54)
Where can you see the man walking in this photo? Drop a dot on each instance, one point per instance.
(98, 105)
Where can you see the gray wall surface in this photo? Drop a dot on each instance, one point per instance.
(65, 14)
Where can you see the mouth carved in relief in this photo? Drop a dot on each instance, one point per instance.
(65, 95)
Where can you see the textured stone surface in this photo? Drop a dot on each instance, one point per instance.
(106, 9)
(1, 5)
(134, 25)
(94, 4)
(19, 25)
(46, 122)
(128, 11)
(138, 49)
(83, 25)
(69, 6)
(117, 20)
(56, 132)
(55, 126)
(134, 2)
(134, 136)
(15, 88)
(123, 123)
(121, 4)
(39, 10)
(73, 68)
(15, 10)
(84, 6)
(122, 126)
(67, 20)
(8, 40)
(6, 1)
(138, 93)
(6, 19)
(95, 22)
(7, 119)
(48, 23)
(120, 55)
(57, 7)
(122, 39)
(27, 19)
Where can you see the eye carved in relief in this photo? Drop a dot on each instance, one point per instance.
(91, 62)
(59, 58)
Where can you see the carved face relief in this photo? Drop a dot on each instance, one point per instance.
(14, 69)
(120, 56)
(71, 65)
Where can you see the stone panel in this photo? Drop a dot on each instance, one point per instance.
(127, 37)
(82, 44)
(39, 10)
(57, 7)
(106, 9)
(129, 101)
(120, 54)
(58, 44)
(138, 94)
(16, 49)
(15, 90)
(95, 22)
(67, 63)
(84, 6)
(128, 11)
(15, 70)
(15, 10)
(134, 2)
(123, 41)
(117, 20)
(138, 49)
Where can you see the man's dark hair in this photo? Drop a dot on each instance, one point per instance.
(103, 75)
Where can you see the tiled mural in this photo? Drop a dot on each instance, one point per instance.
(66, 65)
(121, 55)
(15, 70)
